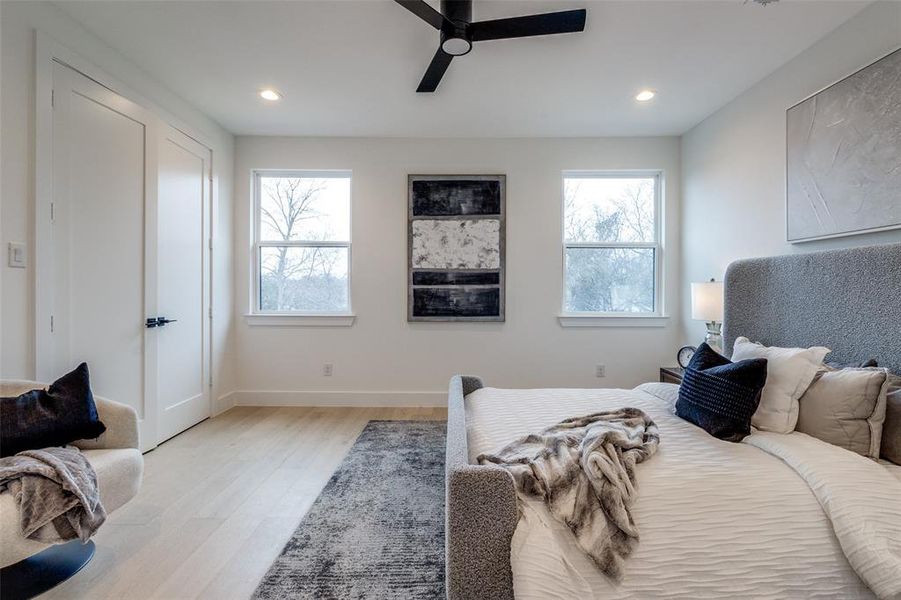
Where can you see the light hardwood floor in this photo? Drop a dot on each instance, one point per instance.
(219, 502)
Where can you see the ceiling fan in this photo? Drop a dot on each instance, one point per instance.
(458, 31)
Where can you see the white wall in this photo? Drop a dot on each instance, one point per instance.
(731, 180)
(18, 22)
(382, 355)
(733, 163)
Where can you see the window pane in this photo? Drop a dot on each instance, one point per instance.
(303, 279)
(608, 209)
(305, 208)
(610, 280)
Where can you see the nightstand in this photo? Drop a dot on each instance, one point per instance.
(671, 375)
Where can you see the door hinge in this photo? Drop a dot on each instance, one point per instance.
(51, 323)
(210, 243)
(210, 312)
(52, 99)
(52, 211)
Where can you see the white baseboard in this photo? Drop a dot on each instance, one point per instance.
(332, 398)
(223, 403)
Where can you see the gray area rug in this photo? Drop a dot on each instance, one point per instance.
(377, 529)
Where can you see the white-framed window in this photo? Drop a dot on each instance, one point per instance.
(301, 242)
(612, 251)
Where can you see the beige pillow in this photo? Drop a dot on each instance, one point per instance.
(891, 429)
(846, 407)
(789, 372)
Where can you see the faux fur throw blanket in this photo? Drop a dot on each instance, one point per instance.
(584, 469)
(57, 494)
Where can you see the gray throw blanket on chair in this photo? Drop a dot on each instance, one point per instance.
(584, 469)
(56, 492)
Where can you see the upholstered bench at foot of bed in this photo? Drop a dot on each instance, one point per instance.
(481, 512)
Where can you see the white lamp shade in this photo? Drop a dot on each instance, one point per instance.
(707, 301)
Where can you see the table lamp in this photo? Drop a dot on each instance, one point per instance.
(707, 305)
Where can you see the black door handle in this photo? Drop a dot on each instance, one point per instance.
(158, 322)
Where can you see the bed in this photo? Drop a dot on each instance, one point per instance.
(776, 516)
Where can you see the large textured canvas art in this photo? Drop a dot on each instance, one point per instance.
(843, 172)
(456, 247)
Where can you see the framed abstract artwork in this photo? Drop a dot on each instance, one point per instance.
(456, 247)
(843, 156)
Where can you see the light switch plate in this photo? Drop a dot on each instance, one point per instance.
(17, 255)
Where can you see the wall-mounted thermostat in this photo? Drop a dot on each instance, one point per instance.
(17, 255)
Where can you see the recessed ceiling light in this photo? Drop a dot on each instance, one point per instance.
(645, 95)
(270, 94)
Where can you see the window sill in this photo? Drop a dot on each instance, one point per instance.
(300, 320)
(594, 320)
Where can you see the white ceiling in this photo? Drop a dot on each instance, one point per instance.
(350, 67)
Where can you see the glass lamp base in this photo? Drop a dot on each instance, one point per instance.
(714, 337)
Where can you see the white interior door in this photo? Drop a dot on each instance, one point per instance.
(130, 236)
(104, 166)
(183, 259)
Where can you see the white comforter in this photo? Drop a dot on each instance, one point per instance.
(717, 519)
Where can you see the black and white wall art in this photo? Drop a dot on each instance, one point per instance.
(455, 247)
(843, 171)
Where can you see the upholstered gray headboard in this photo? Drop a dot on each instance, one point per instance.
(848, 300)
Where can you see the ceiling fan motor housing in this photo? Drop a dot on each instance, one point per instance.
(455, 41)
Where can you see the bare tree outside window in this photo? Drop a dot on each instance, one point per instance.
(303, 242)
(610, 243)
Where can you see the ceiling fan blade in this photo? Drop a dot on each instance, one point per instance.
(567, 21)
(425, 12)
(440, 62)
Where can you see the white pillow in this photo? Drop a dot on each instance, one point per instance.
(789, 372)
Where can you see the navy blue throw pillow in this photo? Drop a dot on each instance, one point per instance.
(721, 396)
(61, 414)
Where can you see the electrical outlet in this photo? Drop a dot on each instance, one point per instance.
(327, 369)
(600, 371)
(16, 256)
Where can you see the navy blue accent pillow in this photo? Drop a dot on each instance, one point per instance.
(721, 396)
(57, 416)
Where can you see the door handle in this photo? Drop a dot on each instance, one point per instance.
(158, 322)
